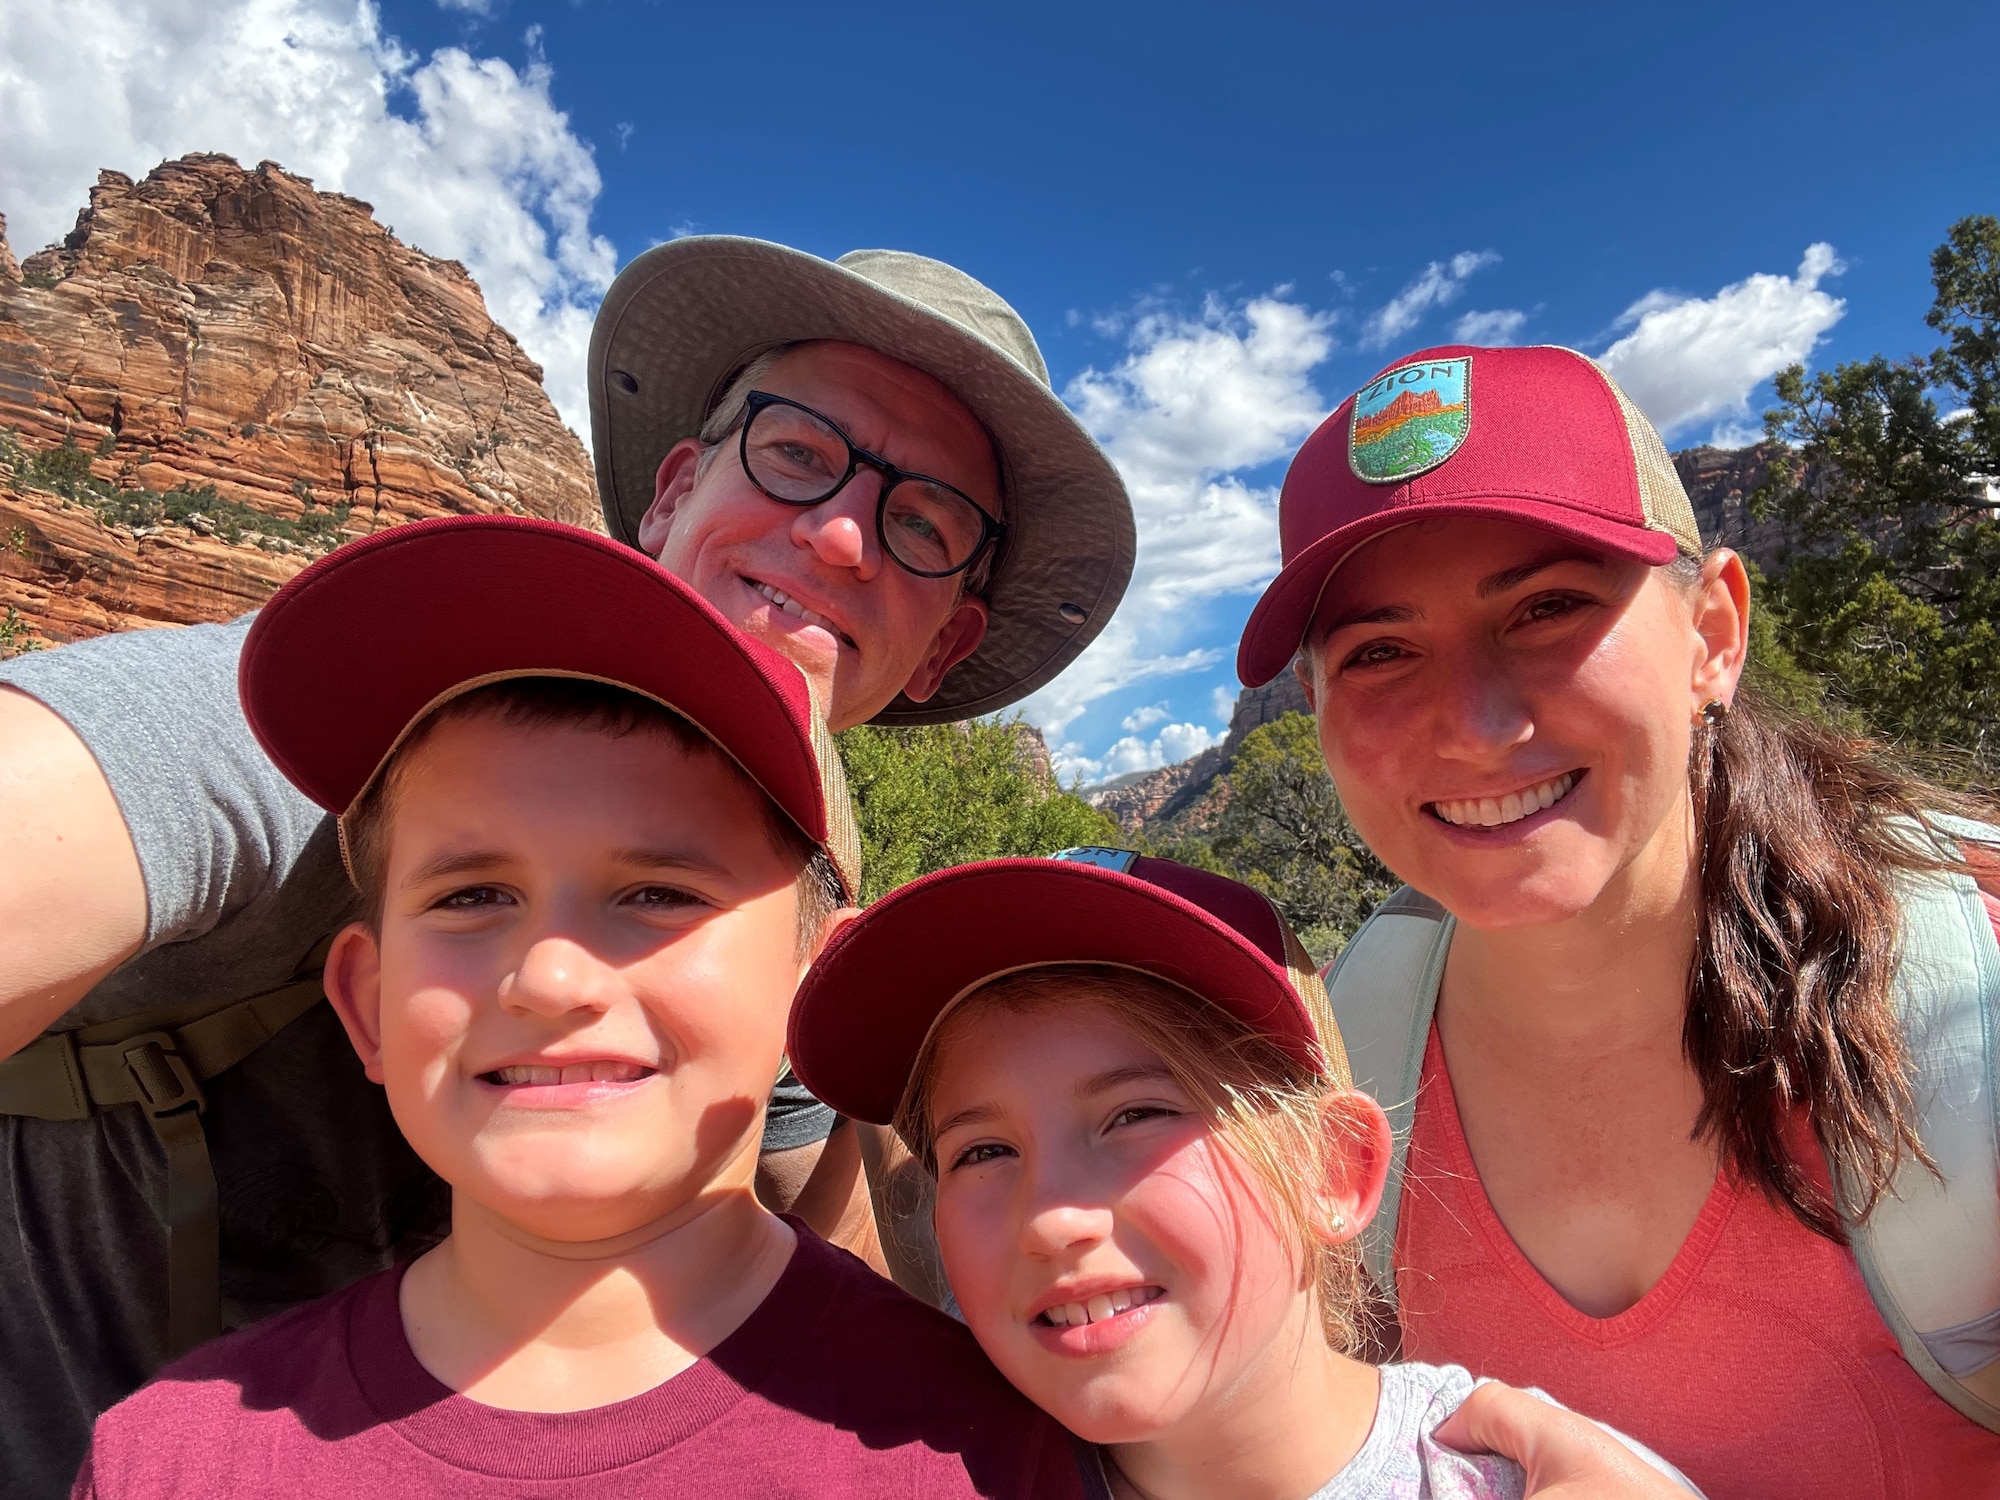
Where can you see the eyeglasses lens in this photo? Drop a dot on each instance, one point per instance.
(929, 528)
(795, 457)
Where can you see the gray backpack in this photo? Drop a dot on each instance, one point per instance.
(1930, 1253)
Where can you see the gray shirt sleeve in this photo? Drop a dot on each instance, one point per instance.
(229, 850)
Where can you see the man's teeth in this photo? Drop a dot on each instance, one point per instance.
(792, 607)
(587, 1072)
(1098, 1308)
(1489, 812)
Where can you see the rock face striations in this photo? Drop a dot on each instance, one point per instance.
(221, 373)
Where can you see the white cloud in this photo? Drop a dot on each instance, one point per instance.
(1440, 283)
(1145, 718)
(1490, 328)
(1693, 359)
(1223, 701)
(1173, 744)
(467, 157)
(1178, 741)
(1197, 400)
(475, 7)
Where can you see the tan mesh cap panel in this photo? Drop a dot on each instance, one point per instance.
(1661, 493)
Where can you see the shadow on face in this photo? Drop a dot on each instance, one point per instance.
(814, 583)
(587, 948)
(1507, 715)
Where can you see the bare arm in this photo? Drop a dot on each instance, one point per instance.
(823, 1184)
(72, 897)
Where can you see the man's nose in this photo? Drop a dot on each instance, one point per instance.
(841, 531)
(557, 975)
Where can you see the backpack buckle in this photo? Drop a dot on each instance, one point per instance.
(165, 1082)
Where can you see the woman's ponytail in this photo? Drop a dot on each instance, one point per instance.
(1805, 834)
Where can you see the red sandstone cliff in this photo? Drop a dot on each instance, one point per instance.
(246, 371)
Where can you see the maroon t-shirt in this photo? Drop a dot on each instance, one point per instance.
(839, 1384)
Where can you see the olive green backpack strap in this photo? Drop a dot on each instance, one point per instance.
(158, 1060)
(1383, 989)
(1930, 1252)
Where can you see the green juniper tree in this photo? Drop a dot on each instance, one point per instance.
(1892, 591)
(1282, 830)
(947, 794)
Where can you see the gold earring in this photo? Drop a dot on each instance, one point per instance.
(1714, 712)
(1339, 1223)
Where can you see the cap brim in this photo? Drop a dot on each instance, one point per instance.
(863, 1012)
(1277, 625)
(682, 318)
(344, 658)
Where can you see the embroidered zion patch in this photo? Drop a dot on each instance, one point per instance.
(1412, 419)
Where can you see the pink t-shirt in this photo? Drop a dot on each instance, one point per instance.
(837, 1385)
(1758, 1364)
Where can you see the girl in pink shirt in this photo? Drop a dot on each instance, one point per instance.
(1665, 1017)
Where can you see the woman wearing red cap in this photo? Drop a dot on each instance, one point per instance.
(1692, 1026)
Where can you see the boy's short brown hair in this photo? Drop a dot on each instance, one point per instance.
(570, 703)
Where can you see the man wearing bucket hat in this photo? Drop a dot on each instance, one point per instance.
(860, 463)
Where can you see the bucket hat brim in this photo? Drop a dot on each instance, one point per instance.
(684, 317)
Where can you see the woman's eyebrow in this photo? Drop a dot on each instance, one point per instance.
(1512, 578)
(1382, 614)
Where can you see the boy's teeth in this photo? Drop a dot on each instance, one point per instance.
(1489, 812)
(545, 1075)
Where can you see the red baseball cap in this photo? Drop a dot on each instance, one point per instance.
(890, 975)
(360, 647)
(1539, 435)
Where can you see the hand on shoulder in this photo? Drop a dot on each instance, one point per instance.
(1568, 1457)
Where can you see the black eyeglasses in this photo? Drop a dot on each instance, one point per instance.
(798, 457)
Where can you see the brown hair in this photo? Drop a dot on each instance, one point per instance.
(572, 703)
(1268, 1108)
(1806, 834)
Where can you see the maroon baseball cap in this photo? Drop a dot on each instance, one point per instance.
(1539, 435)
(889, 976)
(360, 647)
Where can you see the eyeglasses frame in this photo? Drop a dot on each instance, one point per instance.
(992, 531)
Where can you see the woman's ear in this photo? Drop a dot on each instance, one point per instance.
(1358, 1152)
(353, 983)
(1721, 607)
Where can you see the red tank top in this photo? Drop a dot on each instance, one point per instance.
(1758, 1364)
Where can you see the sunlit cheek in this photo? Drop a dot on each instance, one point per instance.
(1210, 1218)
(975, 1239)
(423, 1036)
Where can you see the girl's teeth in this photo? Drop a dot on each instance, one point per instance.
(1489, 812)
(1098, 1308)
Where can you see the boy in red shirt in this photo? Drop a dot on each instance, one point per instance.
(600, 834)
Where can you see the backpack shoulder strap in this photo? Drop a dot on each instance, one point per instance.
(1383, 989)
(1931, 1252)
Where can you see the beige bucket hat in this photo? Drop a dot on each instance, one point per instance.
(684, 317)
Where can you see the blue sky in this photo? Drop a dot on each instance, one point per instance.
(1219, 220)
